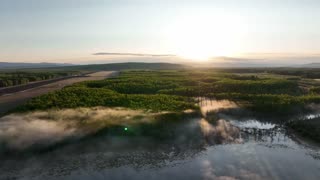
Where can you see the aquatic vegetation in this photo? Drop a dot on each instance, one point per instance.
(308, 128)
(315, 90)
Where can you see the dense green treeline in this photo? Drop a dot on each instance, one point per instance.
(172, 90)
(17, 78)
(119, 67)
(312, 73)
(194, 83)
(73, 97)
(277, 103)
(305, 73)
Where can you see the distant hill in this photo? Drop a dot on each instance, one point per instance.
(238, 65)
(262, 65)
(8, 65)
(311, 65)
(123, 66)
(230, 62)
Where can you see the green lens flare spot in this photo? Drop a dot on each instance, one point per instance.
(126, 129)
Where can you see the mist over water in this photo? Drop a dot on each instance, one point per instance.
(45, 128)
(218, 145)
(18, 133)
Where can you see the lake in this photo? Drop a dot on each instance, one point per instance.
(237, 145)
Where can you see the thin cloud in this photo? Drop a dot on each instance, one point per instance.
(132, 54)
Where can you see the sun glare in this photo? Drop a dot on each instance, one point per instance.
(199, 36)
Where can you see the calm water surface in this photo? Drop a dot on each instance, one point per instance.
(235, 147)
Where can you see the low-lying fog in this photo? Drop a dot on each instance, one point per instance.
(20, 131)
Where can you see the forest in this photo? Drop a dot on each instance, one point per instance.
(174, 90)
(13, 78)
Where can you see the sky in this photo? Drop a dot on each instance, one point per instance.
(73, 31)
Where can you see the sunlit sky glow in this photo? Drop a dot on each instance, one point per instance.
(73, 30)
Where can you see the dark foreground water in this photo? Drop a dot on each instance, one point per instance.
(236, 147)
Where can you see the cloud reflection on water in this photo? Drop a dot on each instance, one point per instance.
(196, 148)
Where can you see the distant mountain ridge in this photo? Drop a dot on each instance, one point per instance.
(92, 67)
(311, 65)
(229, 63)
(18, 65)
(123, 66)
(261, 65)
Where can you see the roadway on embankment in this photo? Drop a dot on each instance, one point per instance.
(11, 100)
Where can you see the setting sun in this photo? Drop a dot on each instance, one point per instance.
(199, 36)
